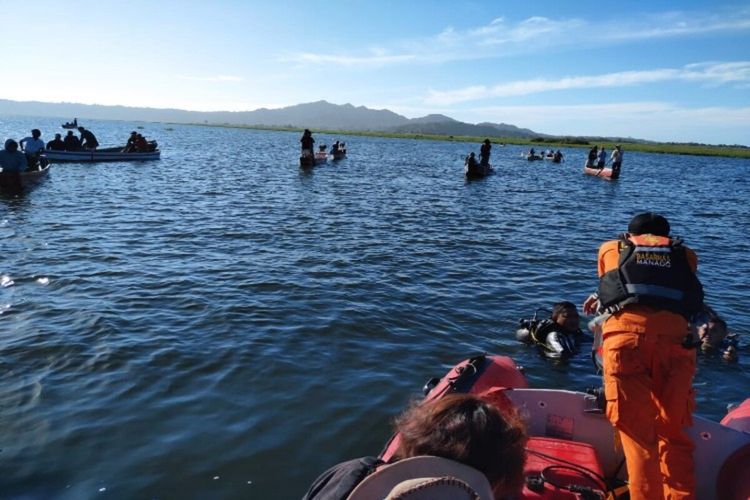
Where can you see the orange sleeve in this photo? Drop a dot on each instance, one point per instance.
(609, 256)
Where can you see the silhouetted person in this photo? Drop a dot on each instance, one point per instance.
(88, 139)
(72, 143)
(484, 152)
(56, 144)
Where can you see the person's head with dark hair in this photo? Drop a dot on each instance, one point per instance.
(649, 223)
(36, 133)
(11, 145)
(566, 315)
(469, 430)
(81, 129)
(487, 141)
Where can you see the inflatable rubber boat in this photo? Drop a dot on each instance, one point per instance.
(571, 452)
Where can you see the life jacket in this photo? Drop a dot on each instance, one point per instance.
(652, 271)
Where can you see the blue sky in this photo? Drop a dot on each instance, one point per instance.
(673, 71)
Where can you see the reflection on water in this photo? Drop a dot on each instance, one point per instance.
(221, 324)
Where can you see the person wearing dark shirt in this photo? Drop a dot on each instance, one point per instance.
(307, 142)
(72, 143)
(141, 144)
(88, 139)
(57, 144)
(484, 152)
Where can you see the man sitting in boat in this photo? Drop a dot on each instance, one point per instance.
(88, 139)
(472, 167)
(11, 159)
(12, 163)
(335, 147)
(558, 337)
(141, 144)
(130, 145)
(558, 156)
(72, 143)
(56, 144)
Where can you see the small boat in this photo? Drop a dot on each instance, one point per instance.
(309, 161)
(25, 181)
(477, 171)
(101, 155)
(605, 173)
(338, 155)
(571, 442)
(533, 157)
(73, 124)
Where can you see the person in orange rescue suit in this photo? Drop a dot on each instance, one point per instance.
(648, 285)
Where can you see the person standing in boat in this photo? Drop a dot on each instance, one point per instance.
(484, 153)
(591, 162)
(32, 147)
(88, 139)
(649, 289)
(616, 159)
(72, 143)
(307, 142)
(56, 144)
(601, 158)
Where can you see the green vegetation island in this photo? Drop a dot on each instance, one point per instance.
(676, 148)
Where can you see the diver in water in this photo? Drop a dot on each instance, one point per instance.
(709, 332)
(558, 337)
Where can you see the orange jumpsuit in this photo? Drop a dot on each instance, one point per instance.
(648, 386)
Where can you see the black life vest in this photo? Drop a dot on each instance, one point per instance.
(652, 271)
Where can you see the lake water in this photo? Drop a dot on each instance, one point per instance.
(220, 324)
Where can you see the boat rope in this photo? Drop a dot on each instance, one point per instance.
(593, 476)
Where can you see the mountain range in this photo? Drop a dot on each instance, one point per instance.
(314, 115)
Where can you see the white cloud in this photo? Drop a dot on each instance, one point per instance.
(502, 38)
(217, 78)
(707, 72)
(643, 120)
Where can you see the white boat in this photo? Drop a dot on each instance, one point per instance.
(97, 155)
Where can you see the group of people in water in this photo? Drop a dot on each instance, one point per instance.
(555, 156)
(650, 316)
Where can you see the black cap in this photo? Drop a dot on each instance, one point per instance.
(649, 223)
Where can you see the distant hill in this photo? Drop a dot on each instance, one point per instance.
(313, 115)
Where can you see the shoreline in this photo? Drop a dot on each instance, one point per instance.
(537, 143)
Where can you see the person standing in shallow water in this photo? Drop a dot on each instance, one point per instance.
(648, 285)
(484, 152)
